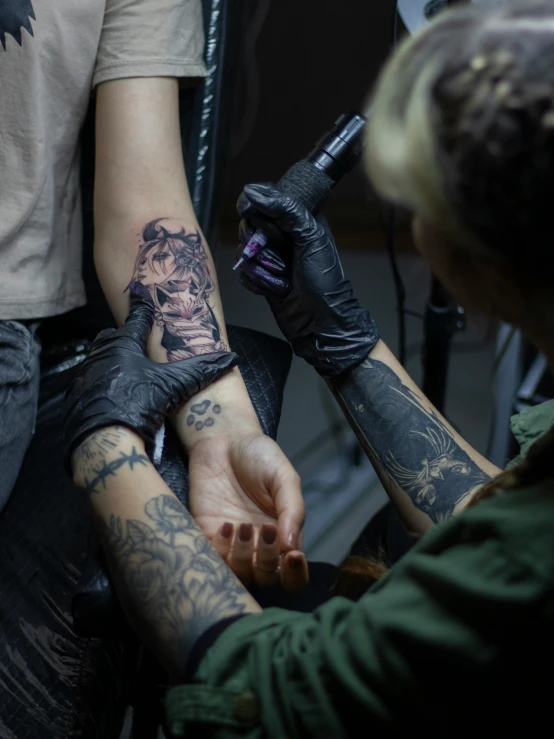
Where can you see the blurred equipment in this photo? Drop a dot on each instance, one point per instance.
(443, 318)
(311, 180)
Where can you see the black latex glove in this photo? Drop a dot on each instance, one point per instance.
(118, 385)
(302, 278)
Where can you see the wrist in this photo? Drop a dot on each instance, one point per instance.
(355, 339)
(222, 411)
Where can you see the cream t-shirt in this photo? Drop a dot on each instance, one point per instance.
(52, 54)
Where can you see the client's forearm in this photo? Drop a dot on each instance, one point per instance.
(146, 231)
(170, 581)
(172, 259)
(428, 470)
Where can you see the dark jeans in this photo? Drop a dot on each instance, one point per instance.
(54, 684)
(19, 381)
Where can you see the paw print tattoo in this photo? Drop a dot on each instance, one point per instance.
(199, 410)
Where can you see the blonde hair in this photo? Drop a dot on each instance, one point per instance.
(461, 129)
(462, 124)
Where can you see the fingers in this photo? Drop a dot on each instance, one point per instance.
(242, 552)
(253, 218)
(271, 261)
(141, 315)
(103, 337)
(261, 282)
(245, 234)
(190, 376)
(290, 508)
(266, 568)
(245, 209)
(289, 214)
(253, 287)
(223, 539)
(268, 258)
(263, 561)
(294, 572)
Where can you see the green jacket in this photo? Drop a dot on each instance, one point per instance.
(456, 640)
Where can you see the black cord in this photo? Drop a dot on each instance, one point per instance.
(399, 288)
(494, 403)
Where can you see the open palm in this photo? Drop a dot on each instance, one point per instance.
(248, 480)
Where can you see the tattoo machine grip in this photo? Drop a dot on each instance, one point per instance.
(311, 180)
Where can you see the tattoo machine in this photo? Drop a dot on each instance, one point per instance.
(311, 180)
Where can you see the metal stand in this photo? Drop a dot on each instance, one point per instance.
(443, 318)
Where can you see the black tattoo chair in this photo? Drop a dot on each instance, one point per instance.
(69, 665)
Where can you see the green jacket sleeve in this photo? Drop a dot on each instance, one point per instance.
(398, 662)
(530, 425)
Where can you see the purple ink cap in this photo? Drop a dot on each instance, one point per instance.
(255, 245)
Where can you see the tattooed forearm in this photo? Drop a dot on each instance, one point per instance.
(203, 415)
(91, 457)
(173, 584)
(406, 441)
(173, 264)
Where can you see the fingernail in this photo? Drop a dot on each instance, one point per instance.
(227, 530)
(269, 534)
(295, 563)
(245, 531)
(291, 541)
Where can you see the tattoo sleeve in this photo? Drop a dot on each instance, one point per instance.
(93, 457)
(170, 581)
(172, 584)
(411, 448)
(173, 265)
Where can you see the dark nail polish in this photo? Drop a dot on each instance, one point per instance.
(245, 532)
(269, 534)
(295, 563)
(227, 530)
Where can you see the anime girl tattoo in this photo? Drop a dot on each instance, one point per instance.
(173, 265)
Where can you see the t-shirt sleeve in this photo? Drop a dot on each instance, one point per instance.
(422, 648)
(150, 38)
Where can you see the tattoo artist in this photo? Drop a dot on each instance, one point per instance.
(457, 637)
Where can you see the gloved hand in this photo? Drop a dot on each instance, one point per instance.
(118, 385)
(302, 278)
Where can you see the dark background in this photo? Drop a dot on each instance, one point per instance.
(312, 60)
